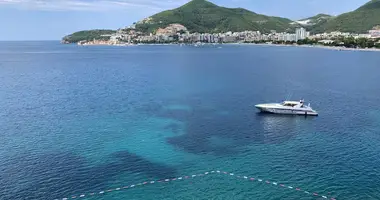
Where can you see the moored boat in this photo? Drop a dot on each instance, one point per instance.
(287, 107)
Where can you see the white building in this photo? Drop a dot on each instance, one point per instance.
(326, 41)
(362, 36)
(300, 34)
(374, 33)
(290, 37)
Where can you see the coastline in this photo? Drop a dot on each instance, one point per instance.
(310, 46)
(253, 44)
(124, 44)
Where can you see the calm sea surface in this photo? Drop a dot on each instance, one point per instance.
(76, 120)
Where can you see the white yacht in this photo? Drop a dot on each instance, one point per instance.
(288, 107)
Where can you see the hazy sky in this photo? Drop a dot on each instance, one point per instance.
(52, 19)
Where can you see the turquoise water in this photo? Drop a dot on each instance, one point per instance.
(76, 120)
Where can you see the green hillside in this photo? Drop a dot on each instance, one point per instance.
(87, 35)
(358, 21)
(204, 16)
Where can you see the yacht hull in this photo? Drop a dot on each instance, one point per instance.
(285, 111)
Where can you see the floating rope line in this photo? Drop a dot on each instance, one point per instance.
(247, 178)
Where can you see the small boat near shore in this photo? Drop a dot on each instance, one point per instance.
(288, 108)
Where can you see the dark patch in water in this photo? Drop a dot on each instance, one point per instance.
(47, 176)
(195, 145)
(242, 126)
(138, 164)
(179, 115)
(52, 176)
(175, 128)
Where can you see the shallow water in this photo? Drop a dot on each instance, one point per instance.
(76, 120)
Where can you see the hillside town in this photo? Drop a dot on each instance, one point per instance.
(177, 33)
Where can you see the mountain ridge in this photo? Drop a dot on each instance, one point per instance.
(205, 16)
(314, 20)
(360, 20)
(320, 15)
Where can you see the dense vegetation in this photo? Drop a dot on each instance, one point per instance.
(88, 35)
(349, 42)
(337, 42)
(344, 42)
(203, 16)
(359, 21)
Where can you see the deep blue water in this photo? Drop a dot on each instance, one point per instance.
(76, 120)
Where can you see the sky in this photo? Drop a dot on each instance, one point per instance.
(53, 19)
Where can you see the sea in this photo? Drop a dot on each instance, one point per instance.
(179, 122)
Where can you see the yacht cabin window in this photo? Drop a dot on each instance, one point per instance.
(289, 104)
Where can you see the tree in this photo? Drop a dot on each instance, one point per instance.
(349, 42)
(306, 41)
(361, 42)
(181, 32)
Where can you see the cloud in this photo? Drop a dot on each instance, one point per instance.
(92, 5)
